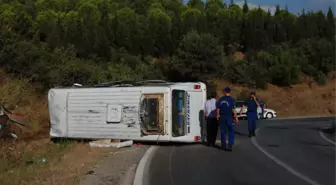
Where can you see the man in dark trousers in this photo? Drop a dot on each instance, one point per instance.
(252, 114)
(210, 116)
(226, 113)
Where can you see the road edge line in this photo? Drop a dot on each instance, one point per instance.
(326, 138)
(282, 164)
(141, 171)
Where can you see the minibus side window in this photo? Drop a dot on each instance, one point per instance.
(178, 113)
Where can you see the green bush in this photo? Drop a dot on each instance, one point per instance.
(211, 88)
(58, 43)
(197, 57)
(321, 78)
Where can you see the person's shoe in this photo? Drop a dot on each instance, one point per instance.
(229, 149)
(250, 134)
(224, 148)
(253, 134)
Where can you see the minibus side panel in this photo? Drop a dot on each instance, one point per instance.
(89, 111)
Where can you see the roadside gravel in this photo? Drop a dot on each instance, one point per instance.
(118, 168)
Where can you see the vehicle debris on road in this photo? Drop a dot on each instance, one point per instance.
(110, 143)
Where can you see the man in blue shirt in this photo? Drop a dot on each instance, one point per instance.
(252, 115)
(225, 110)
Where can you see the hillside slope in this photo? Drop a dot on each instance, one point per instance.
(306, 99)
(33, 157)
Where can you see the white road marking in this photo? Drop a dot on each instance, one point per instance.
(326, 138)
(282, 164)
(141, 173)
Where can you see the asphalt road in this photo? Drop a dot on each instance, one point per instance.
(295, 154)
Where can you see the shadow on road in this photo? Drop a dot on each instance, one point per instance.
(315, 144)
(167, 143)
(277, 127)
(241, 134)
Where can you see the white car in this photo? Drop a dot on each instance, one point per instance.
(268, 113)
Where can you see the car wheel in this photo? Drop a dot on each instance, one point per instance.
(269, 115)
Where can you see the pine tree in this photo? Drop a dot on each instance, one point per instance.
(245, 7)
(331, 24)
(277, 10)
(330, 15)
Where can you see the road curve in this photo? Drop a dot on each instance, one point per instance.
(307, 158)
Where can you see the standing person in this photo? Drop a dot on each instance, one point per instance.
(252, 114)
(262, 106)
(225, 109)
(210, 117)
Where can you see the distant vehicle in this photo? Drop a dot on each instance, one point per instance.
(152, 110)
(268, 113)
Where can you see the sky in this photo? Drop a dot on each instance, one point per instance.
(294, 6)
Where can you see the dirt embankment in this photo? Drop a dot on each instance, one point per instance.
(305, 99)
(33, 159)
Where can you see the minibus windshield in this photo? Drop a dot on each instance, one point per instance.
(178, 113)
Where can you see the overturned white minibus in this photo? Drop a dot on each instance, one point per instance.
(145, 111)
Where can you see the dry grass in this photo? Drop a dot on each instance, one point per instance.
(306, 99)
(65, 162)
(20, 161)
(21, 97)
